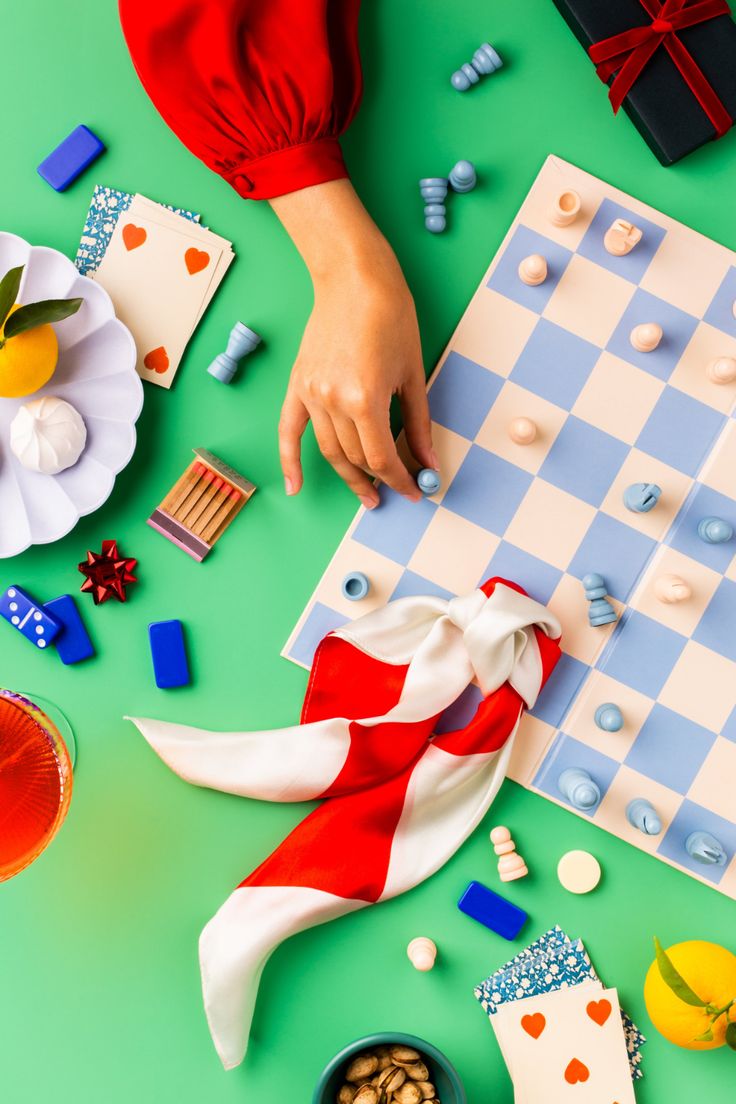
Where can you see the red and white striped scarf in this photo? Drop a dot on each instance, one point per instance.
(397, 801)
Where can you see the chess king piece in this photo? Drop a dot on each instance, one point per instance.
(433, 190)
(600, 611)
(241, 342)
(510, 864)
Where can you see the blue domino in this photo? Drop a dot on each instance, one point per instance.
(70, 158)
(73, 643)
(489, 908)
(29, 617)
(170, 665)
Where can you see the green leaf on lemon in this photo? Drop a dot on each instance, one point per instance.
(676, 982)
(706, 1037)
(40, 314)
(731, 1035)
(9, 286)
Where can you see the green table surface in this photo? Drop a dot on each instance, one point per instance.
(99, 985)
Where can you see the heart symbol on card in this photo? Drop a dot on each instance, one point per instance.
(576, 1071)
(133, 236)
(534, 1025)
(599, 1011)
(157, 360)
(196, 260)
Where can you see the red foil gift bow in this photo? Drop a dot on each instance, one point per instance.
(628, 53)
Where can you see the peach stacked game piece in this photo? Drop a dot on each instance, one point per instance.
(510, 865)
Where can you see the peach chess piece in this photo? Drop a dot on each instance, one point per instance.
(722, 370)
(510, 865)
(672, 588)
(533, 270)
(621, 237)
(522, 431)
(422, 953)
(646, 337)
(565, 208)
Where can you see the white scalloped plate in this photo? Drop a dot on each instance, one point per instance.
(96, 374)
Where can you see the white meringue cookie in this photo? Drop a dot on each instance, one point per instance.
(47, 435)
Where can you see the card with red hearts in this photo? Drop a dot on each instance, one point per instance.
(161, 273)
(566, 1046)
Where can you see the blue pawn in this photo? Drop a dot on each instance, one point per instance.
(355, 586)
(609, 717)
(642, 497)
(242, 341)
(485, 60)
(579, 788)
(715, 530)
(463, 177)
(428, 481)
(641, 814)
(433, 190)
(600, 611)
(706, 849)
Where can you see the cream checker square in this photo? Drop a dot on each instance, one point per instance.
(627, 785)
(550, 523)
(618, 398)
(639, 467)
(493, 331)
(516, 402)
(599, 688)
(690, 375)
(580, 639)
(589, 300)
(687, 270)
(683, 617)
(453, 552)
(701, 687)
(719, 471)
(713, 787)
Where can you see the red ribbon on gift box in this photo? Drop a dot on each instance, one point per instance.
(628, 53)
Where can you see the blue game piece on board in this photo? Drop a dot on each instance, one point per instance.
(706, 849)
(609, 717)
(242, 340)
(463, 177)
(579, 788)
(641, 814)
(495, 912)
(29, 617)
(600, 611)
(642, 497)
(428, 481)
(715, 530)
(485, 61)
(170, 666)
(73, 643)
(355, 586)
(70, 158)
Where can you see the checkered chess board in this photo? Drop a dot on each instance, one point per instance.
(545, 514)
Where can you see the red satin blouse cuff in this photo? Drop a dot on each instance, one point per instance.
(288, 170)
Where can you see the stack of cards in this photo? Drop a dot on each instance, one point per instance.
(159, 267)
(553, 963)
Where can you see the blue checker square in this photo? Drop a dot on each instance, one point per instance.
(561, 687)
(642, 653)
(320, 621)
(410, 585)
(506, 279)
(462, 394)
(632, 266)
(614, 550)
(717, 627)
(729, 729)
(670, 749)
(693, 818)
(395, 527)
(539, 579)
(680, 431)
(567, 752)
(584, 461)
(555, 364)
(704, 502)
(720, 312)
(677, 326)
(487, 490)
(461, 712)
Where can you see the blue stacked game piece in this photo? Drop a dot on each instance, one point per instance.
(641, 814)
(70, 158)
(242, 341)
(580, 789)
(715, 530)
(433, 190)
(642, 497)
(355, 586)
(463, 177)
(600, 611)
(609, 717)
(428, 481)
(485, 60)
(706, 849)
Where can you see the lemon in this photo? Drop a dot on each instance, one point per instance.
(710, 971)
(27, 361)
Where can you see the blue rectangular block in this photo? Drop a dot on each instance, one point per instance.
(489, 908)
(170, 666)
(70, 158)
(73, 643)
(29, 617)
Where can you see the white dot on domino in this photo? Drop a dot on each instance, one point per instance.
(579, 871)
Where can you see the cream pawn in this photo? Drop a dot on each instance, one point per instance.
(722, 370)
(422, 953)
(646, 338)
(510, 865)
(522, 431)
(533, 270)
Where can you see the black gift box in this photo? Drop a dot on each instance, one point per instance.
(661, 105)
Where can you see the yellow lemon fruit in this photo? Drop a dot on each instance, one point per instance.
(27, 361)
(710, 971)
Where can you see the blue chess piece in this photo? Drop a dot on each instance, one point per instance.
(642, 497)
(706, 849)
(485, 60)
(580, 789)
(641, 814)
(715, 530)
(433, 190)
(242, 341)
(600, 611)
(463, 177)
(428, 481)
(609, 717)
(355, 586)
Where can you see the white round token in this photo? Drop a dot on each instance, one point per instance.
(579, 871)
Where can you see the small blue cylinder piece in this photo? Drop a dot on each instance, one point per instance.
(642, 497)
(428, 481)
(609, 717)
(463, 177)
(355, 586)
(580, 789)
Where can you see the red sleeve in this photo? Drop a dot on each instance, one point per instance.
(260, 90)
